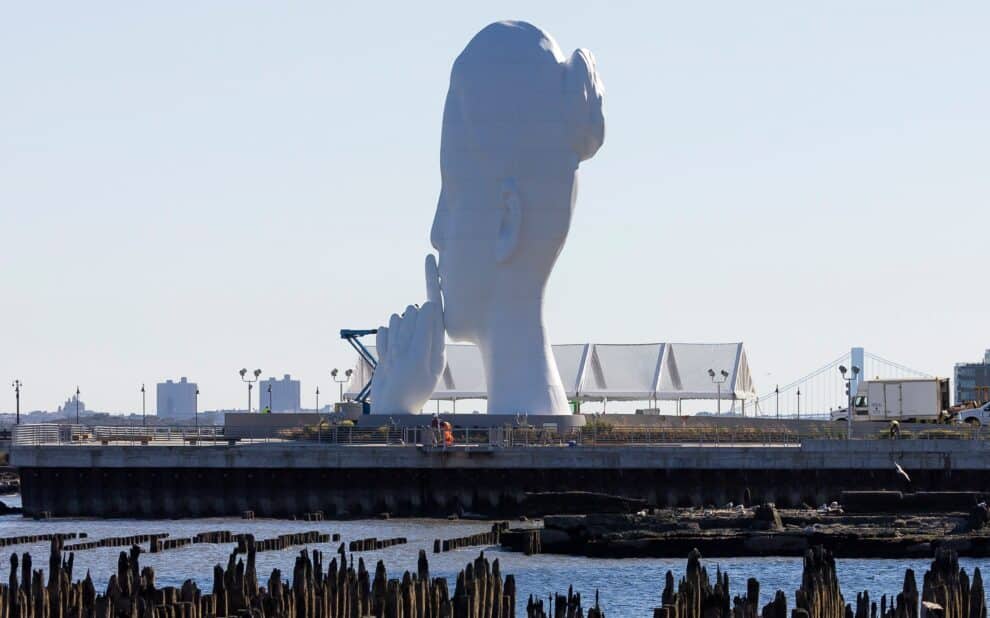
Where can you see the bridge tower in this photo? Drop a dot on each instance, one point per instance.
(857, 358)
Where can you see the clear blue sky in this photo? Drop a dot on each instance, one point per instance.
(189, 188)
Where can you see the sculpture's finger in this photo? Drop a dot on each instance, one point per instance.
(408, 328)
(423, 337)
(394, 338)
(433, 294)
(381, 345)
(437, 344)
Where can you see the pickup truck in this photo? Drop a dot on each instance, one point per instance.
(979, 415)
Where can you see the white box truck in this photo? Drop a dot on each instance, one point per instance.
(914, 400)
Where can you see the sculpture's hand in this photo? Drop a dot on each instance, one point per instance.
(411, 353)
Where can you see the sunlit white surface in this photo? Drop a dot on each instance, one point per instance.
(600, 371)
(518, 119)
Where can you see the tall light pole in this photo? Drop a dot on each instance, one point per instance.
(317, 399)
(143, 408)
(717, 380)
(776, 392)
(250, 383)
(799, 403)
(196, 410)
(341, 382)
(848, 379)
(17, 384)
(77, 405)
(269, 396)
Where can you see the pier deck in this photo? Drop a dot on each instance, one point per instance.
(286, 479)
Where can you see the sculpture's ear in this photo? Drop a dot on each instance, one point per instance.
(510, 221)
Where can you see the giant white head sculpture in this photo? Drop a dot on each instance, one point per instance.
(518, 119)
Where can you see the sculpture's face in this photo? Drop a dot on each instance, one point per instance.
(464, 235)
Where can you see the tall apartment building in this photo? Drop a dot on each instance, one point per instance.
(973, 380)
(177, 400)
(283, 397)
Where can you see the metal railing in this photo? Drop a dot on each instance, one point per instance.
(593, 434)
(53, 434)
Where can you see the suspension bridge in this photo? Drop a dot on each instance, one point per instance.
(817, 394)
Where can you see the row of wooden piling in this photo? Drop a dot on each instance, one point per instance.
(215, 537)
(373, 543)
(117, 541)
(948, 592)
(284, 541)
(158, 542)
(346, 591)
(482, 538)
(341, 590)
(158, 545)
(308, 516)
(39, 538)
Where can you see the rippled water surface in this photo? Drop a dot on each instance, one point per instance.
(629, 587)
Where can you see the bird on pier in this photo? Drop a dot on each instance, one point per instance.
(901, 471)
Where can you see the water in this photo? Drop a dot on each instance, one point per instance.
(630, 587)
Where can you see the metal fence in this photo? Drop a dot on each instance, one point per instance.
(53, 434)
(593, 434)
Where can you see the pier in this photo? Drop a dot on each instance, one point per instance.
(490, 476)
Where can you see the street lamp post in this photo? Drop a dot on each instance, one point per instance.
(77, 405)
(717, 380)
(319, 418)
(269, 396)
(799, 403)
(143, 408)
(341, 382)
(776, 392)
(196, 410)
(250, 383)
(848, 377)
(17, 397)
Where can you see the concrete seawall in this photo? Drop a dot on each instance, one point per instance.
(287, 479)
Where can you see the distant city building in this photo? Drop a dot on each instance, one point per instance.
(68, 409)
(177, 400)
(973, 380)
(285, 394)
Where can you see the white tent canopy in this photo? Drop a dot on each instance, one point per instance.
(600, 371)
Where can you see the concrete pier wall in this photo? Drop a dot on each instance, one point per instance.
(288, 479)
